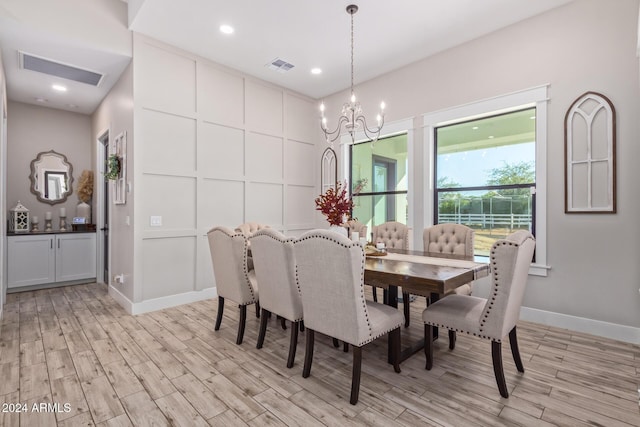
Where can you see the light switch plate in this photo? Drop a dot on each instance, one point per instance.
(155, 221)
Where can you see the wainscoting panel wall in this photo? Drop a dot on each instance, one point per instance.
(212, 147)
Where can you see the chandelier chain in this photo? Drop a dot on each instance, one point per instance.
(352, 73)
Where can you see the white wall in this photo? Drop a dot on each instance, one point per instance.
(212, 147)
(3, 180)
(115, 115)
(585, 45)
(33, 129)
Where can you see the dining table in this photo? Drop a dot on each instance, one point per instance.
(428, 274)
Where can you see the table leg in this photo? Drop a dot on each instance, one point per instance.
(415, 347)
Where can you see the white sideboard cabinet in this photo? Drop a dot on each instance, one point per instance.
(36, 259)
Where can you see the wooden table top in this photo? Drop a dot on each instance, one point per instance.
(417, 277)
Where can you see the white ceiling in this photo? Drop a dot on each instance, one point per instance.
(307, 34)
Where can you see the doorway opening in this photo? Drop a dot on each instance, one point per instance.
(102, 209)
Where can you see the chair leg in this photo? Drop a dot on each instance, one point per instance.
(241, 323)
(428, 346)
(355, 375)
(496, 355)
(345, 346)
(336, 343)
(385, 296)
(220, 310)
(308, 354)
(283, 323)
(263, 327)
(452, 339)
(513, 341)
(293, 344)
(394, 337)
(405, 306)
(375, 293)
(302, 326)
(257, 309)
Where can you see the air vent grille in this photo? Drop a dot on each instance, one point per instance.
(279, 65)
(69, 72)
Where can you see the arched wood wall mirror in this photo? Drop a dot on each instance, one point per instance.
(328, 170)
(590, 155)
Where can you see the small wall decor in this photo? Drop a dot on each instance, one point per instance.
(118, 152)
(590, 155)
(328, 170)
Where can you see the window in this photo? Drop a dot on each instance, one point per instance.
(471, 191)
(485, 175)
(379, 180)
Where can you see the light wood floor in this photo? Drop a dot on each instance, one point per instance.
(76, 346)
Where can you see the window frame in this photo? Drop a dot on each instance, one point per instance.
(390, 129)
(534, 97)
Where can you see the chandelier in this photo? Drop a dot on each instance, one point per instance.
(351, 116)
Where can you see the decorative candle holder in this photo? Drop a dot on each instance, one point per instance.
(47, 224)
(35, 225)
(63, 223)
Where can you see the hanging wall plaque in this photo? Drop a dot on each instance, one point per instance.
(590, 155)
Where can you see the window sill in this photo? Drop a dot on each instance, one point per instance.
(539, 270)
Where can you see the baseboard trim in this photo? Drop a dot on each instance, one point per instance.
(582, 324)
(162, 302)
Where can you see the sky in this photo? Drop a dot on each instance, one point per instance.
(471, 168)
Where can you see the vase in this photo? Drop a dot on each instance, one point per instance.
(339, 229)
(84, 210)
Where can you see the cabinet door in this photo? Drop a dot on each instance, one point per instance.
(31, 260)
(75, 256)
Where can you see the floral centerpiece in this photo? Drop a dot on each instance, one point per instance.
(335, 204)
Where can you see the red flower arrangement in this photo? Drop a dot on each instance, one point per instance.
(335, 204)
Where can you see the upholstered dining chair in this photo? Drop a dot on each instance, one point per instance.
(394, 235)
(492, 318)
(248, 228)
(275, 269)
(453, 239)
(330, 272)
(234, 281)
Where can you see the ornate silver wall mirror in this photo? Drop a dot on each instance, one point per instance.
(51, 177)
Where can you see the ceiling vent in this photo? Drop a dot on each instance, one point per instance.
(279, 65)
(69, 72)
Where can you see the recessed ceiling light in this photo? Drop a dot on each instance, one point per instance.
(43, 100)
(490, 136)
(532, 117)
(59, 88)
(72, 106)
(316, 71)
(226, 29)
(474, 128)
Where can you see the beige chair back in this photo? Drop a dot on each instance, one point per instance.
(330, 271)
(248, 228)
(229, 259)
(275, 268)
(510, 261)
(394, 235)
(358, 227)
(448, 238)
